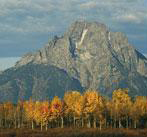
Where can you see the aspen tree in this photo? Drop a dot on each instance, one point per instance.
(90, 103)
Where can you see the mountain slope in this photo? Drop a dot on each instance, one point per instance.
(37, 81)
(95, 57)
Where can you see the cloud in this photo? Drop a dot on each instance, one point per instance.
(88, 5)
(12, 6)
(129, 18)
(25, 16)
(138, 17)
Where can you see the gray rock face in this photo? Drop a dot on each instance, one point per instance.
(96, 57)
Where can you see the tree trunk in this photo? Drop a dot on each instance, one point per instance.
(100, 125)
(0, 123)
(41, 125)
(111, 122)
(5, 123)
(82, 122)
(9, 125)
(115, 123)
(127, 122)
(22, 121)
(62, 122)
(105, 123)
(46, 126)
(32, 125)
(94, 122)
(88, 123)
(119, 123)
(74, 121)
(135, 124)
(18, 119)
(18, 124)
(15, 123)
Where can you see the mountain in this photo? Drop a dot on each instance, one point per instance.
(88, 55)
(41, 82)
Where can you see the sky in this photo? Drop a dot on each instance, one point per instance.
(27, 25)
(7, 62)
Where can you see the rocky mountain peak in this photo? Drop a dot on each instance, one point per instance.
(78, 27)
(95, 56)
(83, 40)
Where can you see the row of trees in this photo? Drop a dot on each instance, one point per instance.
(89, 109)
